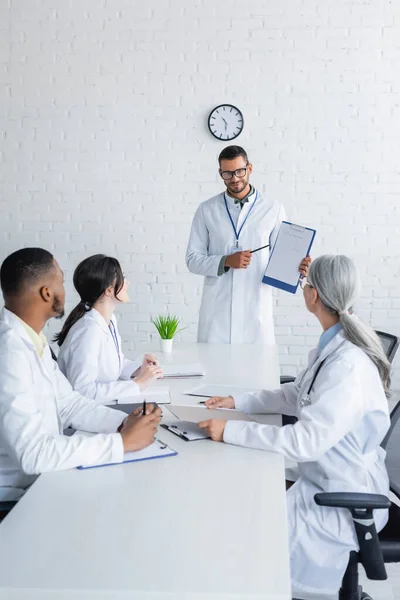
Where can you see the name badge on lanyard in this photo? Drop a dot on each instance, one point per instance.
(237, 233)
(114, 336)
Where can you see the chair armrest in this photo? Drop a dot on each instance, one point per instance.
(287, 379)
(361, 507)
(7, 505)
(352, 500)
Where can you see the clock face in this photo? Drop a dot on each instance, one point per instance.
(225, 122)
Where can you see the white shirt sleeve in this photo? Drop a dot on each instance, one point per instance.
(198, 260)
(282, 401)
(336, 408)
(80, 364)
(27, 440)
(129, 367)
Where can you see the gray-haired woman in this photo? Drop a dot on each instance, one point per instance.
(340, 401)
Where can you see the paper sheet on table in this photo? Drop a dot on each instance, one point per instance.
(292, 245)
(156, 450)
(160, 395)
(195, 414)
(208, 390)
(182, 370)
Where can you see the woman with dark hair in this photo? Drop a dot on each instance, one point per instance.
(90, 346)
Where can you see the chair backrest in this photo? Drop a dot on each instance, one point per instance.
(391, 444)
(390, 343)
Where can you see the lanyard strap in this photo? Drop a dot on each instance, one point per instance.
(237, 233)
(111, 327)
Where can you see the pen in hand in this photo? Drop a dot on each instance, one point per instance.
(144, 408)
(257, 249)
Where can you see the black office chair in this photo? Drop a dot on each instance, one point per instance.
(390, 344)
(5, 508)
(374, 550)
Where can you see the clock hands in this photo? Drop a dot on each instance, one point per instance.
(226, 123)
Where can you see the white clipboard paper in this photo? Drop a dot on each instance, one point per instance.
(292, 245)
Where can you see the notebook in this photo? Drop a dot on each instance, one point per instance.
(157, 450)
(182, 371)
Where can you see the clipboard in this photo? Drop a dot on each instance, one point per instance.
(157, 449)
(292, 244)
(186, 430)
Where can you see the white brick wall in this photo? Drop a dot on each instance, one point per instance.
(105, 147)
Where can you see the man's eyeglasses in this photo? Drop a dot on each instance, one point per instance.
(238, 173)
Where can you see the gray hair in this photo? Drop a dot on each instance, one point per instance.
(336, 280)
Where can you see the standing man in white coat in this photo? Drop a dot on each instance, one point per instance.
(340, 401)
(236, 306)
(36, 401)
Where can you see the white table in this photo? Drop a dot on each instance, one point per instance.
(209, 523)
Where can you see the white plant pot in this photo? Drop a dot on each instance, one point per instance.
(166, 345)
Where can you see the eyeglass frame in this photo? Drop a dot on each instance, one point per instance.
(303, 282)
(234, 173)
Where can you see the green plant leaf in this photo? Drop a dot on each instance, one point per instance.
(167, 327)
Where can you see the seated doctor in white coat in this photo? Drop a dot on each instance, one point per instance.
(91, 354)
(341, 405)
(36, 401)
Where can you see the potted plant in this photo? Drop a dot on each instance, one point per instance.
(167, 328)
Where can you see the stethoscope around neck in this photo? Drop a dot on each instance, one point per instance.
(306, 400)
(113, 332)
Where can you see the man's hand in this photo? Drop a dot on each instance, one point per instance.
(220, 402)
(215, 429)
(303, 267)
(138, 431)
(239, 260)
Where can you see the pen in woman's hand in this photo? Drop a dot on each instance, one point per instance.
(144, 407)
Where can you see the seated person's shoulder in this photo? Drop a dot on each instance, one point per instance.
(352, 358)
(84, 331)
(14, 353)
(10, 341)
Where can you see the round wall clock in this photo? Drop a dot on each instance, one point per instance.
(225, 122)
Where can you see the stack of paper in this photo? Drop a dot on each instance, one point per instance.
(195, 414)
(212, 389)
(181, 371)
(159, 395)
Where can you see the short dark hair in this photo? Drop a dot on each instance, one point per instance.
(231, 152)
(23, 268)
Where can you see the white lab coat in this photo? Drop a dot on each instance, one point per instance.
(336, 443)
(90, 361)
(235, 307)
(36, 404)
